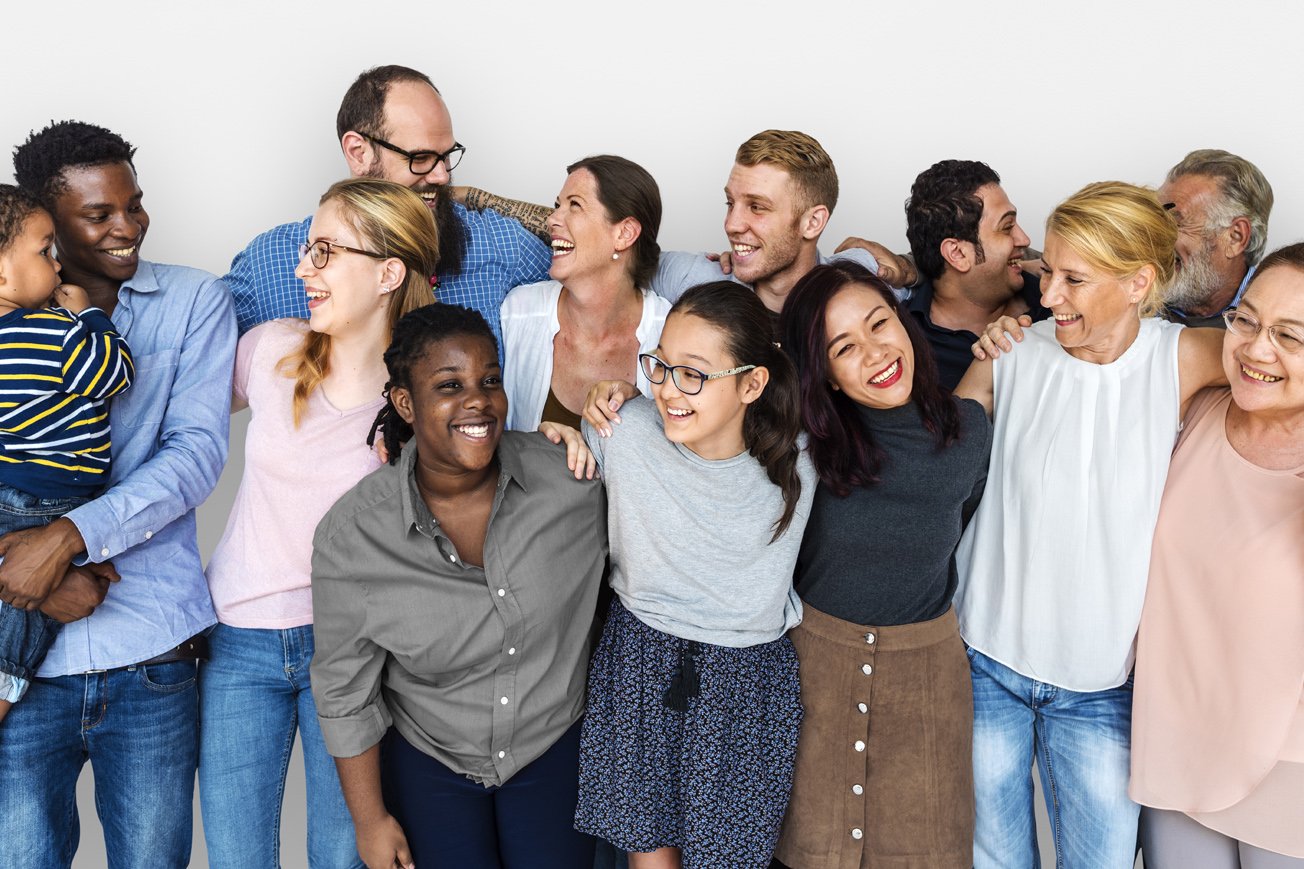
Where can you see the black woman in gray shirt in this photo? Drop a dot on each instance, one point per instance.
(884, 763)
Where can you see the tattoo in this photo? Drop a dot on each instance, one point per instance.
(532, 217)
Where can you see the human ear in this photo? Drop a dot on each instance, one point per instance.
(402, 401)
(627, 232)
(814, 221)
(958, 254)
(1140, 284)
(1238, 237)
(754, 384)
(392, 275)
(358, 153)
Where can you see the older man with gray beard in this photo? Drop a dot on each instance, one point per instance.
(1221, 203)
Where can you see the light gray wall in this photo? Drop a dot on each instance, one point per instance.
(232, 106)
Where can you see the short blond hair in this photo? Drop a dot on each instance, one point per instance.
(1120, 228)
(801, 156)
(1245, 192)
(395, 222)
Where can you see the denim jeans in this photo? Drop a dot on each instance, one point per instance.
(139, 728)
(25, 636)
(253, 694)
(1082, 743)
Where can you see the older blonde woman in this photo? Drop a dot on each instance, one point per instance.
(1218, 729)
(314, 387)
(1053, 566)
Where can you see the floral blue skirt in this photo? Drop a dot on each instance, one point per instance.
(712, 780)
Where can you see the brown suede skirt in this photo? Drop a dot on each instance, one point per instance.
(884, 774)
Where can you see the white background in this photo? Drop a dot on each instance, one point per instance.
(232, 107)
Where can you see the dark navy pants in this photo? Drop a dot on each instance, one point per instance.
(451, 821)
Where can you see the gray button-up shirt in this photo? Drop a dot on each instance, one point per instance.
(483, 669)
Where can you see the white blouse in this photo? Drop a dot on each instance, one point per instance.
(1053, 565)
(529, 317)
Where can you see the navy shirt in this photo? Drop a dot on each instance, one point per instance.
(954, 349)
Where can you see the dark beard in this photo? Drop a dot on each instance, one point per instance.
(452, 236)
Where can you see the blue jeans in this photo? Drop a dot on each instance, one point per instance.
(253, 694)
(25, 636)
(1082, 742)
(139, 728)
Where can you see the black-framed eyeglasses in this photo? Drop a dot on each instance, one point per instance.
(424, 162)
(321, 251)
(1284, 338)
(688, 380)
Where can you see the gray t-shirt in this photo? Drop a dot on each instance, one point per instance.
(690, 538)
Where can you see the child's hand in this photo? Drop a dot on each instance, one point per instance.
(70, 296)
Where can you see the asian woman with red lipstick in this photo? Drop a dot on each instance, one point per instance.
(884, 769)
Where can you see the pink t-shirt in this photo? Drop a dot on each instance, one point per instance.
(259, 574)
(1217, 720)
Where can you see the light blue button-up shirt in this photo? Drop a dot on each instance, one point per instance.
(169, 435)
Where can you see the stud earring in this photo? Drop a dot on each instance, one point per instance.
(615, 256)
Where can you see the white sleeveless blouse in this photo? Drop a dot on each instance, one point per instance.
(1053, 565)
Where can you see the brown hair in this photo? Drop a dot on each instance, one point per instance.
(363, 107)
(626, 189)
(809, 165)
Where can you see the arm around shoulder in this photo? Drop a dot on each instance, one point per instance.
(1199, 361)
(979, 384)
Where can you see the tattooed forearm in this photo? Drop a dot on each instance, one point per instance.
(528, 215)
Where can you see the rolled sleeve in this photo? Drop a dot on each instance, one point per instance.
(346, 664)
(193, 438)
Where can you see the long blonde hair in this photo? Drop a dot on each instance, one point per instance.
(1120, 229)
(391, 220)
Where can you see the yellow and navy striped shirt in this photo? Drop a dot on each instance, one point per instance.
(57, 370)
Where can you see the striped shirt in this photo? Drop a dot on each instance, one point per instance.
(56, 370)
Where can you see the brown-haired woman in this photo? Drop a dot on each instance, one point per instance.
(884, 767)
(314, 388)
(593, 319)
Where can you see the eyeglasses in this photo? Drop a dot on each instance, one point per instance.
(1285, 339)
(321, 251)
(424, 162)
(687, 380)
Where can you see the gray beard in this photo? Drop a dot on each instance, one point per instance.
(1196, 282)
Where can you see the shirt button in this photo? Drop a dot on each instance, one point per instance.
(501, 755)
(512, 650)
(857, 790)
(502, 592)
(865, 669)
(856, 834)
(862, 707)
(149, 534)
(104, 553)
(869, 638)
(503, 701)
(860, 745)
(452, 558)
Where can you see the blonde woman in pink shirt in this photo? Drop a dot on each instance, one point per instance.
(314, 387)
(1218, 716)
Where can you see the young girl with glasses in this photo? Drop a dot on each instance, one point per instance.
(314, 388)
(693, 708)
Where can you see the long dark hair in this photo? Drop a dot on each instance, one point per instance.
(771, 423)
(626, 189)
(841, 447)
(412, 336)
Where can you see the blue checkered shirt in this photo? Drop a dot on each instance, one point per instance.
(500, 254)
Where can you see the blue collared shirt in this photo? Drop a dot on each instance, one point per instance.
(169, 435)
(500, 254)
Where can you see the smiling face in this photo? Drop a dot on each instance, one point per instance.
(1096, 316)
(763, 221)
(870, 357)
(416, 120)
(1003, 241)
(100, 223)
(583, 236)
(711, 422)
(28, 270)
(456, 406)
(348, 294)
(1263, 378)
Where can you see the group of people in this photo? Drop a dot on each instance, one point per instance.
(556, 549)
